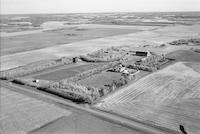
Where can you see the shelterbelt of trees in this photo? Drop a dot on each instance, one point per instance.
(70, 89)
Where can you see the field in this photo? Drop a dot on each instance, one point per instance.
(184, 55)
(22, 43)
(147, 36)
(21, 113)
(194, 65)
(82, 124)
(167, 98)
(65, 72)
(101, 79)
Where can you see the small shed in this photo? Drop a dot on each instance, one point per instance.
(75, 59)
(143, 53)
(140, 53)
(36, 81)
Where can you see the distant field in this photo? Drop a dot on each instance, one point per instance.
(21, 43)
(67, 72)
(147, 37)
(167, 98)
(101, 79)
(184, 55)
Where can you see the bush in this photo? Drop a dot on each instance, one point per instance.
(142, 67)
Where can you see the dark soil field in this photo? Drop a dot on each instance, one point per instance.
(67, 72)
(21, 43)
(184, 55)
(101, 79)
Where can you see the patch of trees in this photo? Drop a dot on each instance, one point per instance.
(196, 50)
(195, 41)
(34, 67)
(149, 64)
(89, 93)
(142, 67)
(67, 89)
(68, 94)
(72, 90)
(114, 85)
(104, 55)
(96, 59)
(75, 92)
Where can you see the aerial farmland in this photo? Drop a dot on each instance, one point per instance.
(107, 76)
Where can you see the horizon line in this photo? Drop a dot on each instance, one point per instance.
(98, 12)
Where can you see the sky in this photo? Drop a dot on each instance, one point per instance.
(85, 6)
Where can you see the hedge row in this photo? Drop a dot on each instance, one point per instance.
(72, 90)
(86, 93)
(29, 82)
(152, 60)
(72, 95)
(104, 55)
(142, 67)
(68, 90)
(96, 59)
(195, 41)
(34, 67)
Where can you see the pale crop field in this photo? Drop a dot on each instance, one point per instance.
(44, 39)
(21, 114)
(167, 98)
(82, 124)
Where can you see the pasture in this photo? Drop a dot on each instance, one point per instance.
(65, 72)
(101, 79)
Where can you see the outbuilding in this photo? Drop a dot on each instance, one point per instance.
(143, 53)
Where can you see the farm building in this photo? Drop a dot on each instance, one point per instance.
(75, 59)
(130, 74)
(142, 53)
